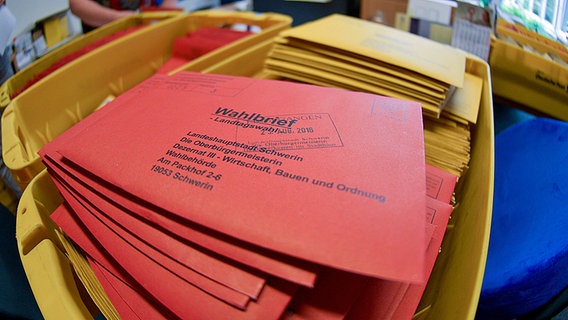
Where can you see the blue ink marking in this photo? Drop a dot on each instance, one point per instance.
(391, 109)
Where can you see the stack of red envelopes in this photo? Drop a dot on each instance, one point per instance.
(201, 196)
(197, 43)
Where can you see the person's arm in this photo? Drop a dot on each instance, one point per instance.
(95, 15)
(170, 4)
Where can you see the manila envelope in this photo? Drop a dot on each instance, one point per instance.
(386, 44)
(315, 76)
(466, 101)
(352, 58)
(346, 77)
(386, 79)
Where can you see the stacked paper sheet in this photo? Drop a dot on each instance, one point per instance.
(360, 55)
(354, 54)
(200, 196)
(447, 144)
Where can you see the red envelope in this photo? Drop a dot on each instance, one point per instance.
(223, 35)
(188, 255)
(322, 174)
(440, 213)
(137, 307)
(331, 298)
(398, 300)
(204, 40)
(285, 267)
(80, 235)
(149, 268)
(382, 298)
(198, 43)
(440, 184)
(378, 300)
(185, 302)
(172, 64)
(282, 266)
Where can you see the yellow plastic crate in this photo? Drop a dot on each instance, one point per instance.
(7, 198)
(529, 79)
(455, 285)
(524, 36)
(453, 290)
(71, 93)
(57, 291)
(22, 77)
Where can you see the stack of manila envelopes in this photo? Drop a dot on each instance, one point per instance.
(338, 50)
(354, 54)
(209, 196)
